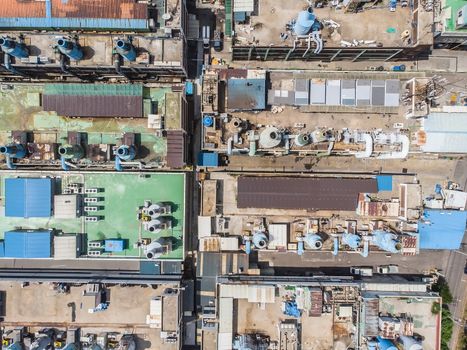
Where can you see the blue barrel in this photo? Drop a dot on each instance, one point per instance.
(208, 121)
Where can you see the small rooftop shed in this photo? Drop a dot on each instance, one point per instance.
(28, 197)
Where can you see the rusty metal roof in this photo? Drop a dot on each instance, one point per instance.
(22, 8)
(99, 9)
(175, 149)
(116, 9)
(302, 193)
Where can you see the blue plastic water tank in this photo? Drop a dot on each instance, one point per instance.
(305, 21)
(208, 121)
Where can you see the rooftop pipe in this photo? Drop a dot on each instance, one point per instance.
(125, 49)
(70, 49)
(11, 152)
(12, 48)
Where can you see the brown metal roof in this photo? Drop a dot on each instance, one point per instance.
(94, 106)
(302, 193)
(74, 9)
(99, 9)
(175, 149)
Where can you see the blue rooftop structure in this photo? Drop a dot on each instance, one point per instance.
(28, 197)
(114, 245)
(442, 229)
(2, 249)
(208, 159)
(246, 94)
(28, 244)
(384, 182)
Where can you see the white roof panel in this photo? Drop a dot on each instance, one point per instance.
(65, 247)
(204, 226)
(277, 236)
(244, 5)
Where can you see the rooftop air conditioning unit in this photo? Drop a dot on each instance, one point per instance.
(91, 209)
(95, 253)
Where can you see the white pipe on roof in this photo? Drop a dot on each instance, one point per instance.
(368, 139)
(403, 153)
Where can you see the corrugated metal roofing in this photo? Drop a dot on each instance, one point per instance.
(129, 9)
(94, 106)
(302, 193)
(94, 100)
(445, 132)
(175, 149)
(246, 94)
(94, 89)
(83, 14)
(28, 244)
(28, 197)
(442, 229)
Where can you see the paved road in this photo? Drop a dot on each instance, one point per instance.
(407, 264)
(457, 281)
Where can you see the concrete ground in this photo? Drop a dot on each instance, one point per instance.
(317, 332)
(38, 305)
(272, 19)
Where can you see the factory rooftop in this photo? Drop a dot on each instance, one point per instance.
(61, 206)
(336, 312)
(259, 24)
(78, 14)
(152, 318)
(43, 116)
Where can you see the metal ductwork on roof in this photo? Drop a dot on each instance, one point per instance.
(12, 151)
(157, 248)
(13, 48)
(70, 49)
(125, 49)
(260, 240)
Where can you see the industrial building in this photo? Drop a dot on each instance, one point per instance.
(327, 31)
(306, 215)
(100, 126)
(324, 312)
(74, 216)
(106, 319)
(84, 40)
(244, 115)
(451, 25)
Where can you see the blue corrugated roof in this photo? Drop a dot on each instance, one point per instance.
(246, 94)
(28, 244)
(2, 249)
(442, 229)
(208, 159)
(70, 23)
(384, 182)
(28, 198)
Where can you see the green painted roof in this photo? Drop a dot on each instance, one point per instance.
(94, 89)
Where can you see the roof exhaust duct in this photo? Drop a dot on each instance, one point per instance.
(157, 248)
(12, 151)
(13, 48)
(313, 241)
(260, 240)
(70, 49)
(125, 49)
